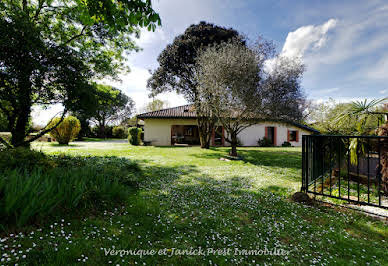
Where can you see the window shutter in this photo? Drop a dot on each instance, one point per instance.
(274, 135)
(297, 136)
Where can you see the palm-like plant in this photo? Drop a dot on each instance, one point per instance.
(362, 111)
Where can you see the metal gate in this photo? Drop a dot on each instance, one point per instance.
(346, 167)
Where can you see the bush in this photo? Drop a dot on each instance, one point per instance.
(67, 130)
(98, 133)
(134, 135)
(264, 142)
(286, 144)
(70, 185)
(119, 132)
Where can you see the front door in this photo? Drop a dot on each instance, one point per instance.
(271, 134)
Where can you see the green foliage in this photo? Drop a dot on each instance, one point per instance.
(50, 50)
(31, 193)
(119, 132)
(352, 118)
(286, 144)
(134, 135)
(63, 76)
(113, 105)
(176, 70)
(66, 131)
(264, 142)
(3, 122)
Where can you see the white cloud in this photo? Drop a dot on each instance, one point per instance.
(379, 70)
(384, 91)
(148, 38)
(307, 38)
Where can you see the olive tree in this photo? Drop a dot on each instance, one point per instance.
(234, 82)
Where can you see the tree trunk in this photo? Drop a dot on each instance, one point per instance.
(233, 143)
(383, 131)
(20, 128)
(205, 143)
(101, 130)
(205, 127)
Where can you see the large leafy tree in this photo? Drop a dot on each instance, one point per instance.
(35, 72)
(177, 68)
(112, 106)
(234, 83)
(51, 49)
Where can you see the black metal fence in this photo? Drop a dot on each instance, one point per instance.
(345, 167)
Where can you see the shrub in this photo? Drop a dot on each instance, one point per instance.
(264, 142)
(67, 130)
(134, 135)
(98, 133)
(286, 144)
(119, 132)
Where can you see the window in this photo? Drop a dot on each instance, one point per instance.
(292, 135)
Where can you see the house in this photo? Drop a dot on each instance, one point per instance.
(178, 125)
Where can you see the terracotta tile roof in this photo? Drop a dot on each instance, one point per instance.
(188, 111)
(184, 111)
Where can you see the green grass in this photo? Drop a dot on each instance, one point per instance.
(188, 198)
(98, 139)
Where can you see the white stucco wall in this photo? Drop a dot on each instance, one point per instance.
(158, 131)
(252, 134)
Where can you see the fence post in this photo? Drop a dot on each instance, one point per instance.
(304, 164)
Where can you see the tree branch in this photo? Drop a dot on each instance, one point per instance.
(76, 36)
(6, 143)
(40, 6)
(44, 131)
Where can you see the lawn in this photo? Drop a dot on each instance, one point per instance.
(188, 200)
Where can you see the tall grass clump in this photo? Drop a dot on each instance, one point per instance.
(60, 185)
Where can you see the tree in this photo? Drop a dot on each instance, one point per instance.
(282, 95)
(35, 72)
(113, 106)
(177, 69)
(234, 86)
(52, 49)
(155, 105)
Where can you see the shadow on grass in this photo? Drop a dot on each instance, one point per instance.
(64, 145)
(272, 158)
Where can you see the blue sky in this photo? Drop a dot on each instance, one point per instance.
(342, 43)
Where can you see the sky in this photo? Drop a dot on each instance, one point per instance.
(342, 43)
